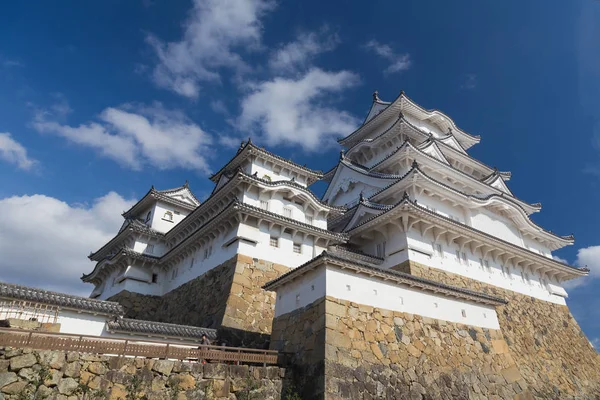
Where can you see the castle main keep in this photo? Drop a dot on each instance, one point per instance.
(418, 274)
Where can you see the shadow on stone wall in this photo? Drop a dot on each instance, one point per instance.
(228, 298)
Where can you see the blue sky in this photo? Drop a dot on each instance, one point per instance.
(100, 100)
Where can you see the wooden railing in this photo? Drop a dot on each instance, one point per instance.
(133, 348)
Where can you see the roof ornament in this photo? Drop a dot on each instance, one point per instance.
(255, 174)
(361, 196)
(400, 115)
(186, 184)
(293, 179)
(405, 196)
(152, 188)
(375, 95)
(449, 130)
(249, 140)
(342, 155)
(415, 164)
(402, 93)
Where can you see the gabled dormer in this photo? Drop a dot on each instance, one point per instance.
(265, 165)
(163, 209)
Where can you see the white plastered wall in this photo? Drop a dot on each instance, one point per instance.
(371, 291)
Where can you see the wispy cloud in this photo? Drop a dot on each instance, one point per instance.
(586, 257)
(300, 52)
(14, 152)
(398, 62)
(470, 82)
(213, 30)
(10, 63)
(135, 135)
(63, 235)
(294, 112)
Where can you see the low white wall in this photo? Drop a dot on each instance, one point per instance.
(361, 289)
(81, 323)
(301, 292)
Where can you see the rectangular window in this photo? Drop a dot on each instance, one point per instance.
(154, 278)
(264, 204)
(287, 212)
(464, 313)
(205, 254)
(438, 250)
(297, 248)
(274, 242)
(487, 266)
(481, 263)
(192, 263)
(464, 258)
(309, 219)
(458, 255)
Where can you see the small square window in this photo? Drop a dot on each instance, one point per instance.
(401, 299)
(312, 287)
(154, 278)
(484, 315)
(375, 292)
(464, 313)
(150, 248)
(435, 305)
(348, 287)
(274, 242)
(297, 248)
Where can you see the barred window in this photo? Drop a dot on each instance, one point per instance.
(273, 241)
(297, 248)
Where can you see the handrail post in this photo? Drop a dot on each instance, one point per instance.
(265, 359)
(167, 352)
(79, 342)
(29, 338)
(125, 348)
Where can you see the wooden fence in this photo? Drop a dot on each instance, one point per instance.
(130, 348)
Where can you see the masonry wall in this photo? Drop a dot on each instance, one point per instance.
(229, 298)
(57, 375)
(553, 355)
(300, 334)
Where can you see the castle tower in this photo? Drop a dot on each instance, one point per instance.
(180, 261)
(445, 286)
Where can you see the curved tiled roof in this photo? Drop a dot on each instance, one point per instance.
(127, 325)
(407, 203)
(402, 95)
(18, 292)
(122, 251)
(415, 168)
(131, 224)
(251, 146)
(399, 277)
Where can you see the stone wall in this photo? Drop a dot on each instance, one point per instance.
(300, 335)
(373, 353)
(229, 298)
(56, 375)
(553, 355)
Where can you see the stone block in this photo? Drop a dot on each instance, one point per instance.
(24, 361)
(511, 374)
(97, 368)
(14, 388)
(7, 378)
(67, 386)
(4, 364)
(52, 359)
(500, 346)
(215, 371)
(163, 366)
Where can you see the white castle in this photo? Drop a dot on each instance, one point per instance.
(404, 189)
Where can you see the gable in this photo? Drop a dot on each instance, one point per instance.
(434, 151)
(452, 142)
(184, 195)
(499, 184)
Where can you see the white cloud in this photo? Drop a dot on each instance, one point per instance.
(300, 52)
(44, 241)
(398, 62)
(294, 112)
(135, 135)
(212, 31)
(560, 259)
(13, 152)
(586, 257)
(596, 343)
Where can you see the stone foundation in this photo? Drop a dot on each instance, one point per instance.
(229, 298)
(553, 355)
(301, 336)
(353, 351)
(56, 375)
